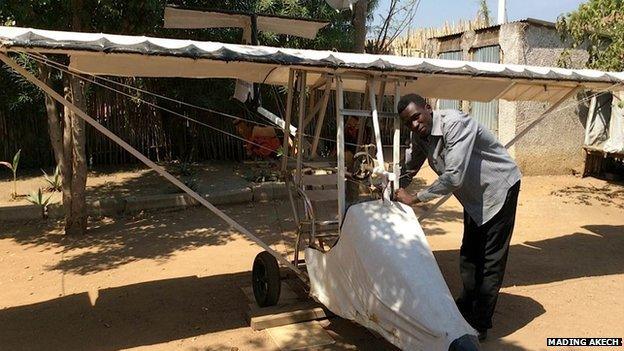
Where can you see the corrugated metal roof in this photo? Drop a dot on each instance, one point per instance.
(533, 21)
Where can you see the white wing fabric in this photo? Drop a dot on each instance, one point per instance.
(383, 275)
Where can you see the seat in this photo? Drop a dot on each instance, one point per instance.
(314, 201)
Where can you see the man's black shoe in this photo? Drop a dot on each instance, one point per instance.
(482, 334)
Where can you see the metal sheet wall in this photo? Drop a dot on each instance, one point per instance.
(486, 112)
(450, 104)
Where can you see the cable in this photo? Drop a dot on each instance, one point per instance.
(66, 69)
(176, 113)
(63, 68)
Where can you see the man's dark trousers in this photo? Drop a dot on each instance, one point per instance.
(483, 256)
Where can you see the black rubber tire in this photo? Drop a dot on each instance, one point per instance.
(265, 277)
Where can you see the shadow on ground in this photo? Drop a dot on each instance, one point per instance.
(112, 242)
(128, 316)
(151, 313)
(577, 255)
(588, 195)
(596, 253)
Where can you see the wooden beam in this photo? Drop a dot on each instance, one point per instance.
(340, 149)
(396, 139)
(313, 107)
(300, 130)
(376, 127)
(321, 120)
(362, 122)
(289, 96)
(271, 317)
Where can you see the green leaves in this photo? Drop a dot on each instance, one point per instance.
(54, 182)
(13, 167)
(16, 159)
(598, 26)
(37, 198)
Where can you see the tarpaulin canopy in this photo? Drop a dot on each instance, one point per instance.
(139, 56)
(193, 19)
(605, 123)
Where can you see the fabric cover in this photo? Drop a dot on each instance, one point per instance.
(615, 143)
(139, 56)
(383, 275)
(605, 123)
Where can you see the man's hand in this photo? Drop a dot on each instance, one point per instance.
(403, 196)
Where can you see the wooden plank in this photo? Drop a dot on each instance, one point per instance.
(376, 127)
(313, 107)
(340, 142)
(321, 119)
(299, 336)
(318, 180)
(300, 130)
(396, 139)
(270, 317)
(289, 96)
(322, 195)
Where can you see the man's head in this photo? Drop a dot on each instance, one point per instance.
(416, 114)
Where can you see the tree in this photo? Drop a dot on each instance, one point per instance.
(399, 17)
(360, 12)
(483, 16)
(597, 25)
(66, 131)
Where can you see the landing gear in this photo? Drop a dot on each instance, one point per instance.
(266, 281)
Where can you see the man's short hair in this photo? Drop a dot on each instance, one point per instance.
(409, 98)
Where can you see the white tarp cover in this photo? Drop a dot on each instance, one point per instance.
(605, 123)
(615, 143)
(383, 275)
(139, 56)
(188, 18)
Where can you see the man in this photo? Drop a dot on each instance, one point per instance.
(478, 170)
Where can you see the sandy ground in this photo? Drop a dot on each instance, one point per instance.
(171, 281)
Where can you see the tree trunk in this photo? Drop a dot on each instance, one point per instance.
(67, 171)
(54, 122)
(77, 224)
(359, 24)
(61, 140)
(74, 168)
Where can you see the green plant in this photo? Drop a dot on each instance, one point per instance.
(38, 199)
(13, 168)
(598, 27)
(54, 181)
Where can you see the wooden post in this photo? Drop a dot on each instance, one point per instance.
(396, 139)
(289, 96)
(362, 121)
(375, 116)
(321, 118)
(300, 131)
(340, 149)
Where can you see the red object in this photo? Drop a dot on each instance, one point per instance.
(263, 146)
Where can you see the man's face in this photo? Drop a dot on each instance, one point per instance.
(418, 119)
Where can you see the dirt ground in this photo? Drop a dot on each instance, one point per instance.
(171, 280)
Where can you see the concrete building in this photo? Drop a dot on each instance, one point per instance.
(555, 145)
